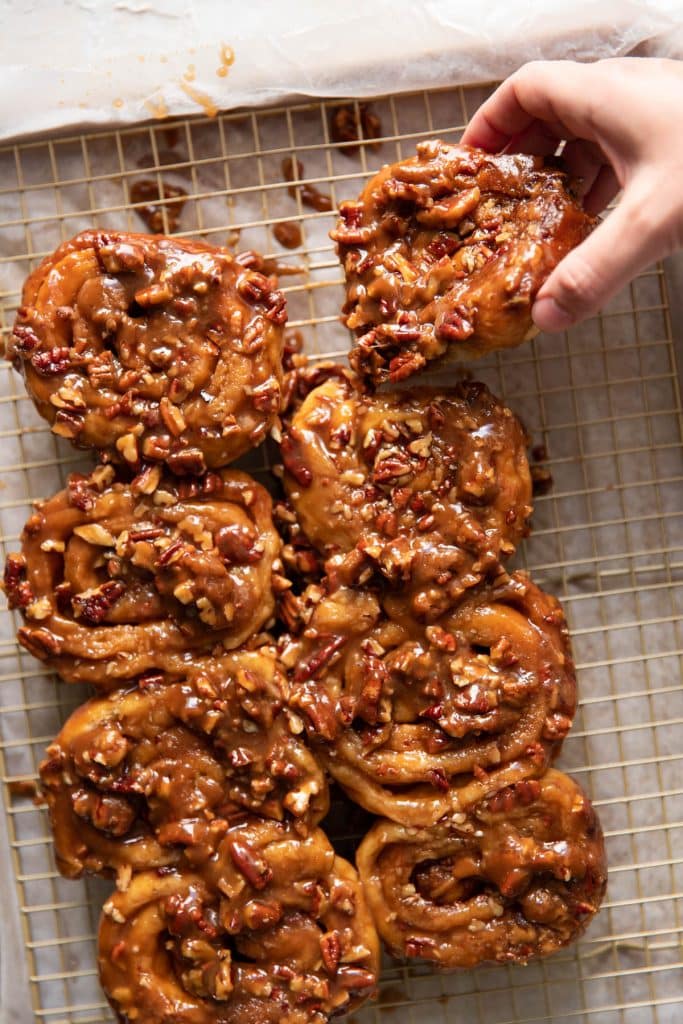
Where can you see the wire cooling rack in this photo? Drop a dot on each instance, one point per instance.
(604, 403)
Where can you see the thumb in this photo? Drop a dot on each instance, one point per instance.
(625, 243)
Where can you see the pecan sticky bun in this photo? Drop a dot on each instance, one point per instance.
(431, 488)
(446, 251)
(140, 773)
(517, 877)
(273, 928)
(417, 721)
(115, 578)
(152, 348)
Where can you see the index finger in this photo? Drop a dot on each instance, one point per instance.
(557, 93)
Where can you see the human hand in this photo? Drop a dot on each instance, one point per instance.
(621, 120)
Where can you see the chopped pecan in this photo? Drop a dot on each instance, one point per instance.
(261, 914)
(390, 468)
(188, 461)
(521, 793)
(255, 869)
(355, 978)
(67, 424)
(419, 946)
(312, 666)
(320, 712)
(42, 643)
(294, 464)
(375, 674)
(455, 326)
(405, 365)
(437, 777)
(331, 950)
(24, 338)
(52, 362)
(266, 396)
(93, 605)
(80, 493)
(16, 586)
(100, 370)
(170, 554)
(238, 544)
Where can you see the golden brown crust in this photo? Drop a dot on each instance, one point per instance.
(273, 928)
(446, 252)
(152, 348)
(116, 578)
(417, 721)
(431, 488)
(518, 877)
(138, 775)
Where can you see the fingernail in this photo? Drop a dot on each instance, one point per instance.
(548, 316)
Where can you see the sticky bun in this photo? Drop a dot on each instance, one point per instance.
(152, 348)
(446, 251)
(517, 877)
(116, 577)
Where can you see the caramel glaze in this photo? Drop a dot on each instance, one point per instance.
(273, 928)
(430, 488)
(117, 578)
(417, 721)
(151, 348)
(517, 877)
(139, 775)
(446, 252)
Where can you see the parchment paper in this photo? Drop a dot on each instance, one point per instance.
(87, 62)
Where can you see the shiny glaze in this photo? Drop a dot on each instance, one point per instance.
(116, 578)
(431, 488)
(273, 928)
(152, 348)
(416, 721)
(446, 252)
(140, 775)
(516, 878)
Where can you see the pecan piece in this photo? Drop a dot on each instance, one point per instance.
(330, 947)
(238, 545)
(313, 665)
(255, 869)
(80, 494)
(523, 792)
(93, 605)
(16, 586)
(355, 978)
(390, 468)
(455, 326)
(42, 643)
(188, 461)
(294, 464)
(52, 362)
(24, 338)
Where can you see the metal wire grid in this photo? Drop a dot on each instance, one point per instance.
(608, 539)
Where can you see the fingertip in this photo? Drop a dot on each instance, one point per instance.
(482, 135)
(549, 316)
